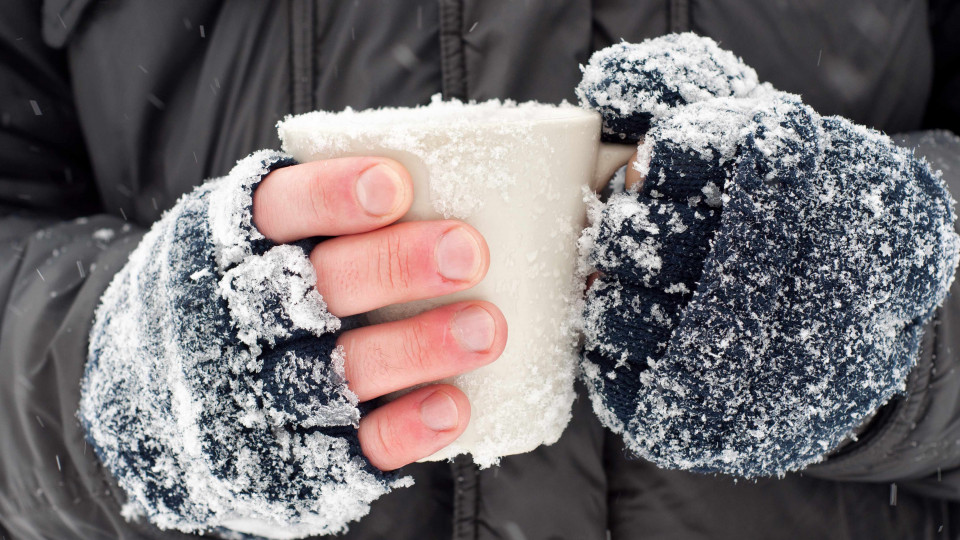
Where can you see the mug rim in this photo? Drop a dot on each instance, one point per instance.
(451, 115)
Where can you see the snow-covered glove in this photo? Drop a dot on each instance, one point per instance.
(632, 84)
(766, 289)
(214, 391)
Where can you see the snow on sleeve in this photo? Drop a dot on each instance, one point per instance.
(214, 391)
(104, 235)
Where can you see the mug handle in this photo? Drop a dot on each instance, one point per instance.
(610, 157)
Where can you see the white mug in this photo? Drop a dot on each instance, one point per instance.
(516, 173)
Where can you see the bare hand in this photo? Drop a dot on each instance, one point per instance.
(374, 263)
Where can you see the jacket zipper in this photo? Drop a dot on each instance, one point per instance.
(465, 497)
(679, 15)
(301, 55)
(453, 67)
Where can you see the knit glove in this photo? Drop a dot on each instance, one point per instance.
(214, 391)
(766, 289)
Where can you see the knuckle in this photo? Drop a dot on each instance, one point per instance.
(387, 444)
(323, 278)
(319, 196)
(379, 363)
(394, 269)
(416, 347)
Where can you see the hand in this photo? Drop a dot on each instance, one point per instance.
(632, 178)
(750, 255)
(374, 263)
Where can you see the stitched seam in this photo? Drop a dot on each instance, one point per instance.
(301, 21)
(679, 15)
(452, 65)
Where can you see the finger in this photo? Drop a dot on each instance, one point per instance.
(331, 197)
(439, 343)
(399, 263)
(413, 426)
(633, 176)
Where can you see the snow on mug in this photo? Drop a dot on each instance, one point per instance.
(516, 173)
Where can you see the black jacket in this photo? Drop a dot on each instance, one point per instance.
(111, 110)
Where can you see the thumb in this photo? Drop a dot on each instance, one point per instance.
(633, 176)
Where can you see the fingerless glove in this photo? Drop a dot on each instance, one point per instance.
(214, 391)
(766, 289)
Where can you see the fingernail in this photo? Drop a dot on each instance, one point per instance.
(474, 328)
(439, 412)
(378, 190)
(458, 255)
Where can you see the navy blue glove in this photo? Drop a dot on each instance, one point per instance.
(214, 391)
(765, 290)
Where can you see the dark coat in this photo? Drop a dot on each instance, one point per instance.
(111, 110)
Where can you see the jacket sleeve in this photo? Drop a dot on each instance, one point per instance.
(914, 440)
(58, 251)
(943, 107)
(183, 378)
